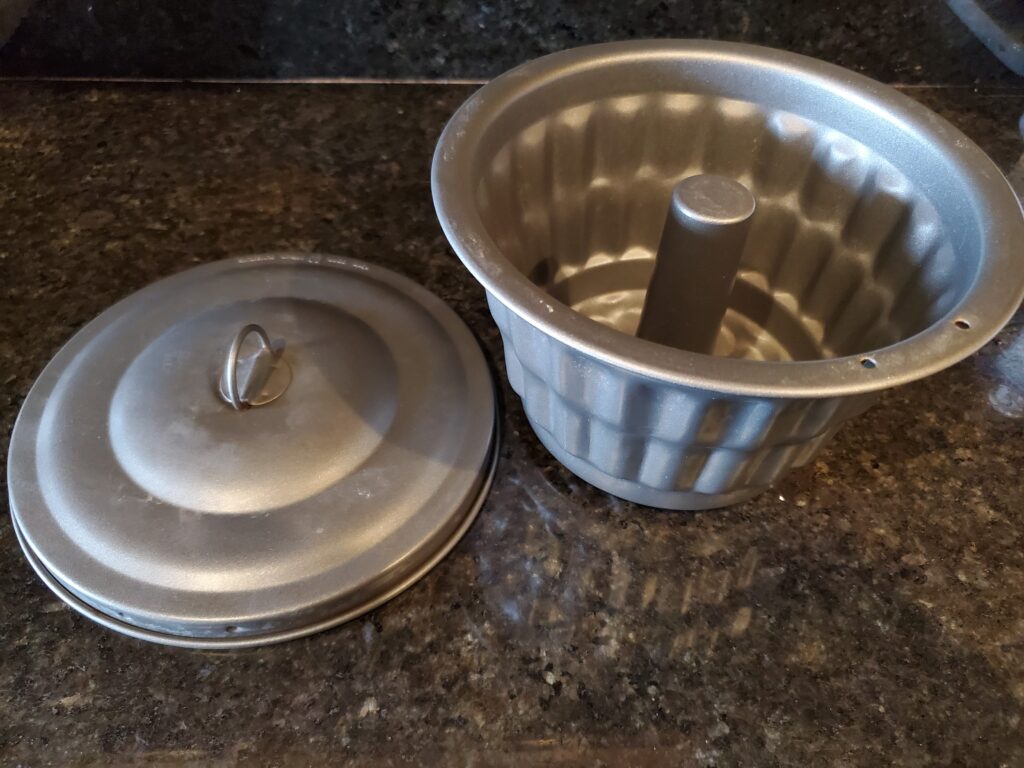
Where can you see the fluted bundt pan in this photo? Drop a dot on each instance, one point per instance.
(884, 246)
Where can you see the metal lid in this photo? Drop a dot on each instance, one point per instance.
(253, 450)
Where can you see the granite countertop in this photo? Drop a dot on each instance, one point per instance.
(865, 612)
(907, 41)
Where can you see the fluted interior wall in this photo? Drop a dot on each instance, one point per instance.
(841, 240)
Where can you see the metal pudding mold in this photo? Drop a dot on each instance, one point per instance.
(884, 247)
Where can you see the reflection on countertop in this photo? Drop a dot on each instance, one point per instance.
(1007, 396)
(866, 611)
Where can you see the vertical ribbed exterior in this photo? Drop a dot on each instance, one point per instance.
(656, 442)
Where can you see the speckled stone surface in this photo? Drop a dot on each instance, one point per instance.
(865, 612)
(905, 41)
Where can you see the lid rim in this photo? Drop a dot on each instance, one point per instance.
(252, 640)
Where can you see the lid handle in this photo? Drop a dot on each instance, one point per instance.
(256, 379)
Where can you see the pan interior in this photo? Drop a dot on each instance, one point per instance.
(844, 256)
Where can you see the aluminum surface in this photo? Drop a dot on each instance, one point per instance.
(151, 504)
(695, 266)
(258, 378)
(885, 246)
